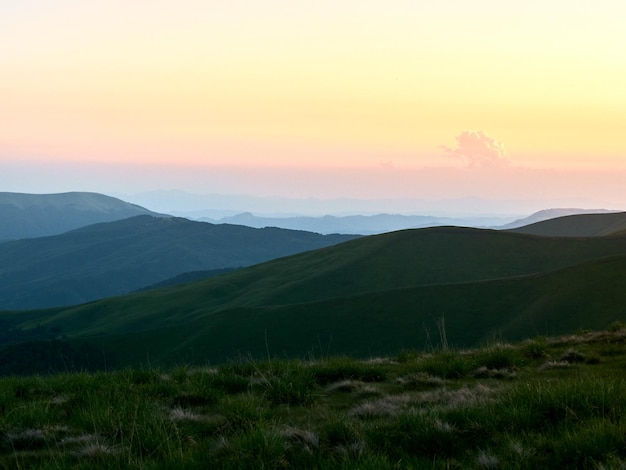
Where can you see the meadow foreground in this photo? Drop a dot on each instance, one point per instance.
(542, 403)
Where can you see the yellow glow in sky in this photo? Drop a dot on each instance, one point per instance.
(349, 83)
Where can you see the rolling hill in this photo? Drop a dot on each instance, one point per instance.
(40, 215)
(589, 295)
(371, 295)
(548, 214)
(583, 225)
(113, 258)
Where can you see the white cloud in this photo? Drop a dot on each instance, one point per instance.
(477, 149)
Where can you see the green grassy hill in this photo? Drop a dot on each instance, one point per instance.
(583, 225)
(590, 295)
(370, 295)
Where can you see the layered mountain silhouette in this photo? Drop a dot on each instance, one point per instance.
(114, 258)
(40, 215)
(381, 223)
(360, 224)
(367, 296)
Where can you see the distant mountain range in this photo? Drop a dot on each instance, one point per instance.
(381, 223)
(217, 206)
(359, 224)
(114, 258)
(40, 215)
(133, 253)
(368, 296)
(37, 215)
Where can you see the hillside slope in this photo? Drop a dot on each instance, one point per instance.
(40, 215)
(583, 225)
(114, 258)
(589, 295)
(366, 295)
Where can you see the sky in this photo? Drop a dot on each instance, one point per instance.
(325, 99)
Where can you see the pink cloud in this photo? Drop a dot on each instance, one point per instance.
(477, 149)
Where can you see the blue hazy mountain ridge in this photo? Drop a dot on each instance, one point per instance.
(361, 224)
(113, 258)
(216, 206)
(39, 215)
(381, 223)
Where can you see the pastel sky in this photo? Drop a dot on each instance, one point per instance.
(315, 99)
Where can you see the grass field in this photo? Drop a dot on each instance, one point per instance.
(540, 403)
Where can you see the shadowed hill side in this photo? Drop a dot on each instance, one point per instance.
(583, 225)
(40, 215)
(589, 295)
(365, 266)
(187, 277)
(114, 258)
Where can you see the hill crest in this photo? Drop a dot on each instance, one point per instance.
(39, 215)
(580, 225)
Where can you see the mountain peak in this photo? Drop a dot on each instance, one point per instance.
(37, 215)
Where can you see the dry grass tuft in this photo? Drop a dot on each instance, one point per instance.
(485, 460)
(59, 400)
(82, 439)
(368, 390)
(353, 450)
(380, 360)
(485, 373)
(462, 397)
(222, 443)
(344, 386)
(520, 451)
(390, 405)
(554, 365)
(420, 380)
(95, 449)
(180, 414)
(307, 439)
(443, 426)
